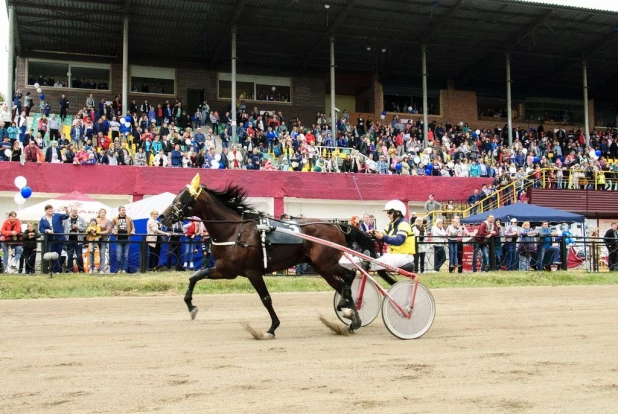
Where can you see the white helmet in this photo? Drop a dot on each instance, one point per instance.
(396, 205)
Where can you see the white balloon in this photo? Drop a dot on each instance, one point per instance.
(20, 182)
(123, 121)
(410, 108)
(524, 151)
(36, 85)
(214, 164)
(478, 132)
(39, 90)
(8, 153)
(19, 200)
(218, 157)
(382, 117)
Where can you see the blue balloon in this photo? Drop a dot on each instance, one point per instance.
(128, 118)
(474, 135)
(26, 192)
(398, 166)
(598, 152)
(384, 113)
(221, 166)
(536, 159)
(430, 167)
(427, 171)
(42, 96)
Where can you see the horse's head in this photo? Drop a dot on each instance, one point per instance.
(184, 203)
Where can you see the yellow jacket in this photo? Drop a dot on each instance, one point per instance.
(393, 235)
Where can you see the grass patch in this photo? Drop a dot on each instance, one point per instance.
(175, 283)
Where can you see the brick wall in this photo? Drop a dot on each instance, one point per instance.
(307, 93)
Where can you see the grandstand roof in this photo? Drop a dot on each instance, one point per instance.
(466, 39)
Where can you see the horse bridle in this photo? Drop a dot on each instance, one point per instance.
(182, 207)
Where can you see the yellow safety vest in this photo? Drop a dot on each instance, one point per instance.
(401, 227)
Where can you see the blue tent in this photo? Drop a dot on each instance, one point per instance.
(527, 212)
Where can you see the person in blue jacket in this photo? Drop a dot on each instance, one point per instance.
(51, 224)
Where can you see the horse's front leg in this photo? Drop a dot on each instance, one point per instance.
(211, 273)
(257, 280)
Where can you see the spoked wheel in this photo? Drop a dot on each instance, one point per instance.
(422, 315)
(369, 306)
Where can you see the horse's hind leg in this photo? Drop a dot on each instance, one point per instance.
(257, 280)
(344, 288)
(211, 273)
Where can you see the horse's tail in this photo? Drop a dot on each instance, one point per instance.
(358, 240)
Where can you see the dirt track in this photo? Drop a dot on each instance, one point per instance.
(489, 350)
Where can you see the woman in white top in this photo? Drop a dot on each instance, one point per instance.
(465, 168)
(454, 233)
(438, 237)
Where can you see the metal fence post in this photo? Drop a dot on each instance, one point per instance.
(143, 255)
(563, 254)
(45, 263)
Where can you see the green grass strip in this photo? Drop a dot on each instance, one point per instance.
(175, 283)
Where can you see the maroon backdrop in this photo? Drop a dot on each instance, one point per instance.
(140, 181)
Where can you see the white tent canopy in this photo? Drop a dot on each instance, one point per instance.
(140, 210)
(87, 207)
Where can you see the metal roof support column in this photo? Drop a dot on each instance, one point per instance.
(509, 101)
(125, 64)
(11, 57)
(587, 121)
(234, 97)
(425, 106)
(333, 116)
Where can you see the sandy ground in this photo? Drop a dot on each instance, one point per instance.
(511, 350)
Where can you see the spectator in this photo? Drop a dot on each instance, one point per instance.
(75, 226)
(611, 241)
(421, 245)
(526, 247)
(438, 234)
(51, 151)
(11, 236)
(545, 241)
(511, 256)
(482, 239)
(455, 233)
(30, 237)
(64, 107)
(192, 234)
(122, 228)
(430, 206)
(31, 152)
(154, 231)
(106, 229)
(52, 225)
(93, 234)
(174, 253)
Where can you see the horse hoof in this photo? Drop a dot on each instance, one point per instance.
(193, 313)
(347, 313)
(268, 336)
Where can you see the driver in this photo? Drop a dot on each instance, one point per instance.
(398, 236)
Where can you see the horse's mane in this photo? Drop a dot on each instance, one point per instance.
(234, 198)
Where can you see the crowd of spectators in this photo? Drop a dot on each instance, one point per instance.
(168, 134)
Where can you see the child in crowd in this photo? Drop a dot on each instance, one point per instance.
(93, 232)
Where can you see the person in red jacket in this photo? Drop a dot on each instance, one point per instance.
(485, 232)
(31, 152)
(192, 234)
(11, 237)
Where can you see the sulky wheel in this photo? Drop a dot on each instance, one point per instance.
(370, 304)
(422, 315)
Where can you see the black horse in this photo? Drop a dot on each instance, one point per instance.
(238, 250)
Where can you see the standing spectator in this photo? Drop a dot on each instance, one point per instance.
(473, 200)
(64, 107)
(611, 241)
(367, 224)
(54, 128)
(545, 241)
(30, 237)
(5, 116)
(11, 237)
(153, 229)
(527, 246)
(498, 243)
(52, 225)
(438, 234)
(511, 256)
(430, 206)
(122, 228)
(75, 226)
(192, 234)
(27, 103)
(93, 233)
(485, 232)
(106, 229)
(421, 247)
(173, 250)
(455, 233)
(51, 151)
